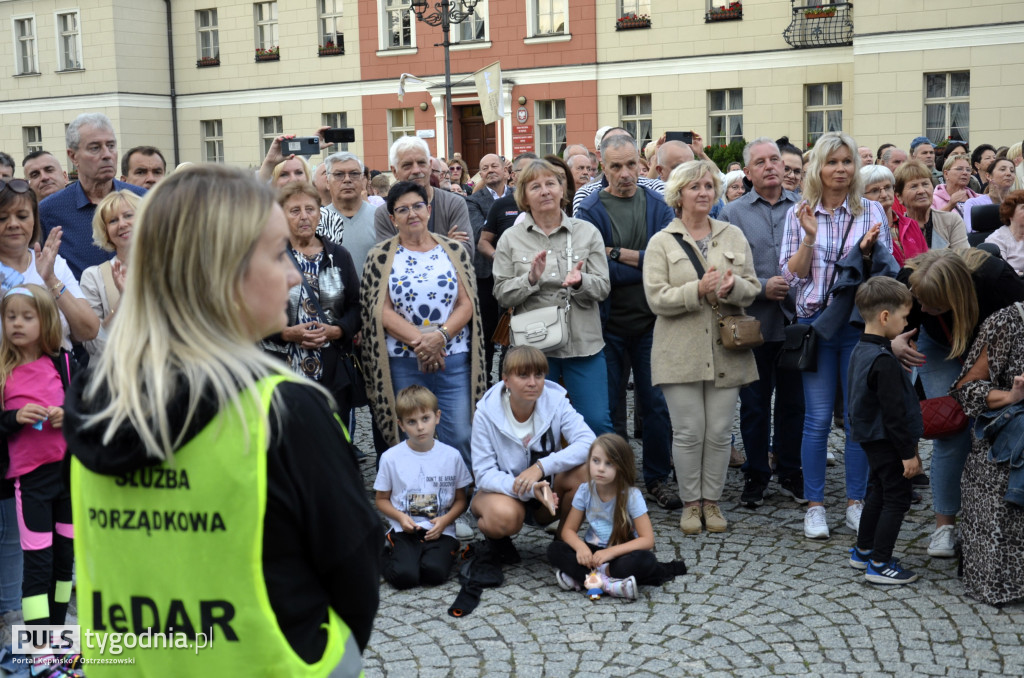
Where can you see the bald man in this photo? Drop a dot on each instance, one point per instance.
(671, 155)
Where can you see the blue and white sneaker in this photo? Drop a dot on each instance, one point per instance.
(889, 573)
(858, 560)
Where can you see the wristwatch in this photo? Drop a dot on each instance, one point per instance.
(614, 254)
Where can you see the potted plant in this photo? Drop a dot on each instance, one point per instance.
(268, 54)
(628, 21)
(329, 49)
(734, 10)
(819, 13)
(207, 61)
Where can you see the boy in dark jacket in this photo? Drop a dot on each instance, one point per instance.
(885, 418)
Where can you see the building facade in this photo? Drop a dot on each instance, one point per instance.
(216, 80)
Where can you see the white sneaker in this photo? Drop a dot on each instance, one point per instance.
(463, 530)
(943, 542)
(830, 459)
(853, 513)
(620, 588)
(815, 525)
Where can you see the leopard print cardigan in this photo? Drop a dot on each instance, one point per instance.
(376, 368)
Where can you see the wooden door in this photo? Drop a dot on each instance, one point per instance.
(478, 139)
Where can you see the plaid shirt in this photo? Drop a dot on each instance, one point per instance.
(812, 290)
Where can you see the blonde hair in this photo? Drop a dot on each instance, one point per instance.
(524, 360)
(533, 170)
(182, 324)
(279, 167)
(827, 144)
(105, 210)
(942, 279)
(51, 335)
(954, 159)
(687, 173)
(413, 399)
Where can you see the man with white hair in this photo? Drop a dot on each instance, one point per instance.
(320, 183)
(671, 155)
(347, 219)
(574, 150)
(867, 156)
(92, 147)
(581, 169)
(410, 161)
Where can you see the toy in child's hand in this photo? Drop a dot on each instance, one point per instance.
(38, 425)
(593, 585)
(542, 492)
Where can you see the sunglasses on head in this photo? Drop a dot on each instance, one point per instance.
(16, 185)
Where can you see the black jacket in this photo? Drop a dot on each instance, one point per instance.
(881, 403)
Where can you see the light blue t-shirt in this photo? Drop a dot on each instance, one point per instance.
(601, 514)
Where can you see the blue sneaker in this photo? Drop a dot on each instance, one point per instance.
(858, 561)
(889, 573)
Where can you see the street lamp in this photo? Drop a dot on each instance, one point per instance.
(446, 13)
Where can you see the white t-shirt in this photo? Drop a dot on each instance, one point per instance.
(64, 274)
(523, 430)
(422, 484)
(601, 514)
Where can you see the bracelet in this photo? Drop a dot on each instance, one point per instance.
(57, 286)
(542, 474)
(807, 244)
(443, 329)
(56, 294)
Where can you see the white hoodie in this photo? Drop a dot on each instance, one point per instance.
(499, 456)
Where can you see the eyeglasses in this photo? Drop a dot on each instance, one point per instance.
(16, 185)
(404, 211)
(795, 171)
(882, 189)
(353, 175)
(454, 168)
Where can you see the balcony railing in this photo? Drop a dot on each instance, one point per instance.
(820, 25)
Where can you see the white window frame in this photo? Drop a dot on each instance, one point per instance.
(542, 122)
(33, 138)
(384, 32)
(407, 126)
(946, 101)
(217, 139)
(213, 29)
(480, 14)
(637, 7)
(333, 16)
(533, 16)
(267, 137)
(62, 62)
(824, 108)
(728, 113)
(339, 119)
(637, 118)
(270, 23)
(20, 41)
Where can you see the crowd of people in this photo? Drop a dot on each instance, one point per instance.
(198, 342)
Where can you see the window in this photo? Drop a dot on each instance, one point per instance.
(213, 140)
(824, 106)
(33, 137)
(725, 115)
(548, 17)
(266, 24)
(947, 106)
(635, 117)
(207, 35)
(551, 127)
(401, 123)
(336, 120)
(330, 23)
(397, 24)
(637, 7)
(25, 45)
(269, 129)
(69, 42)
(475, 26)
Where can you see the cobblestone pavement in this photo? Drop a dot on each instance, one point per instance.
(758, 600)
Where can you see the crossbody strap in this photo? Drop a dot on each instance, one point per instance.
(309, 290)
(835, 264)
(690, 253)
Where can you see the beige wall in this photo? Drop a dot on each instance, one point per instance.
(885, 16)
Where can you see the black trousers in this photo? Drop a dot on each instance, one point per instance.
(489, 315)
(409, 562)
(640, 564)
(44, 505)
(888, 500)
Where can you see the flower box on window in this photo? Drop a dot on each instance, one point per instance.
(206, 62)
(268, 54)
(330, 49)
(628, 21)
(730, 12)
(822, 13)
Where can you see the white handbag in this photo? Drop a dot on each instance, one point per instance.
(544, 328)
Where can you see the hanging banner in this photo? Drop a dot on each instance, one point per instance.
(488, 88)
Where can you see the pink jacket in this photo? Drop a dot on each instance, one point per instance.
(940, 198)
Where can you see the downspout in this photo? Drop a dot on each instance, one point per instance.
(174, 94)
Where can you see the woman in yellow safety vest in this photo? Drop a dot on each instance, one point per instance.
(222, 525)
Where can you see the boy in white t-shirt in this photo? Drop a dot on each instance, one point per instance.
(421, 488)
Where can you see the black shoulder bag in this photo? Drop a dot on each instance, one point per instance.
(800, 347)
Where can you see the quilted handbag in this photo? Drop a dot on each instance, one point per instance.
(943, 417)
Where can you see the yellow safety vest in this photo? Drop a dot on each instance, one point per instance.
(178, 548)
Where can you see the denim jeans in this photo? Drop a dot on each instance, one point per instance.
(586, 381)
(819, 400)
(452, 387)
(949, 455)
(657, 437)
(756, 416)
(10, 557)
